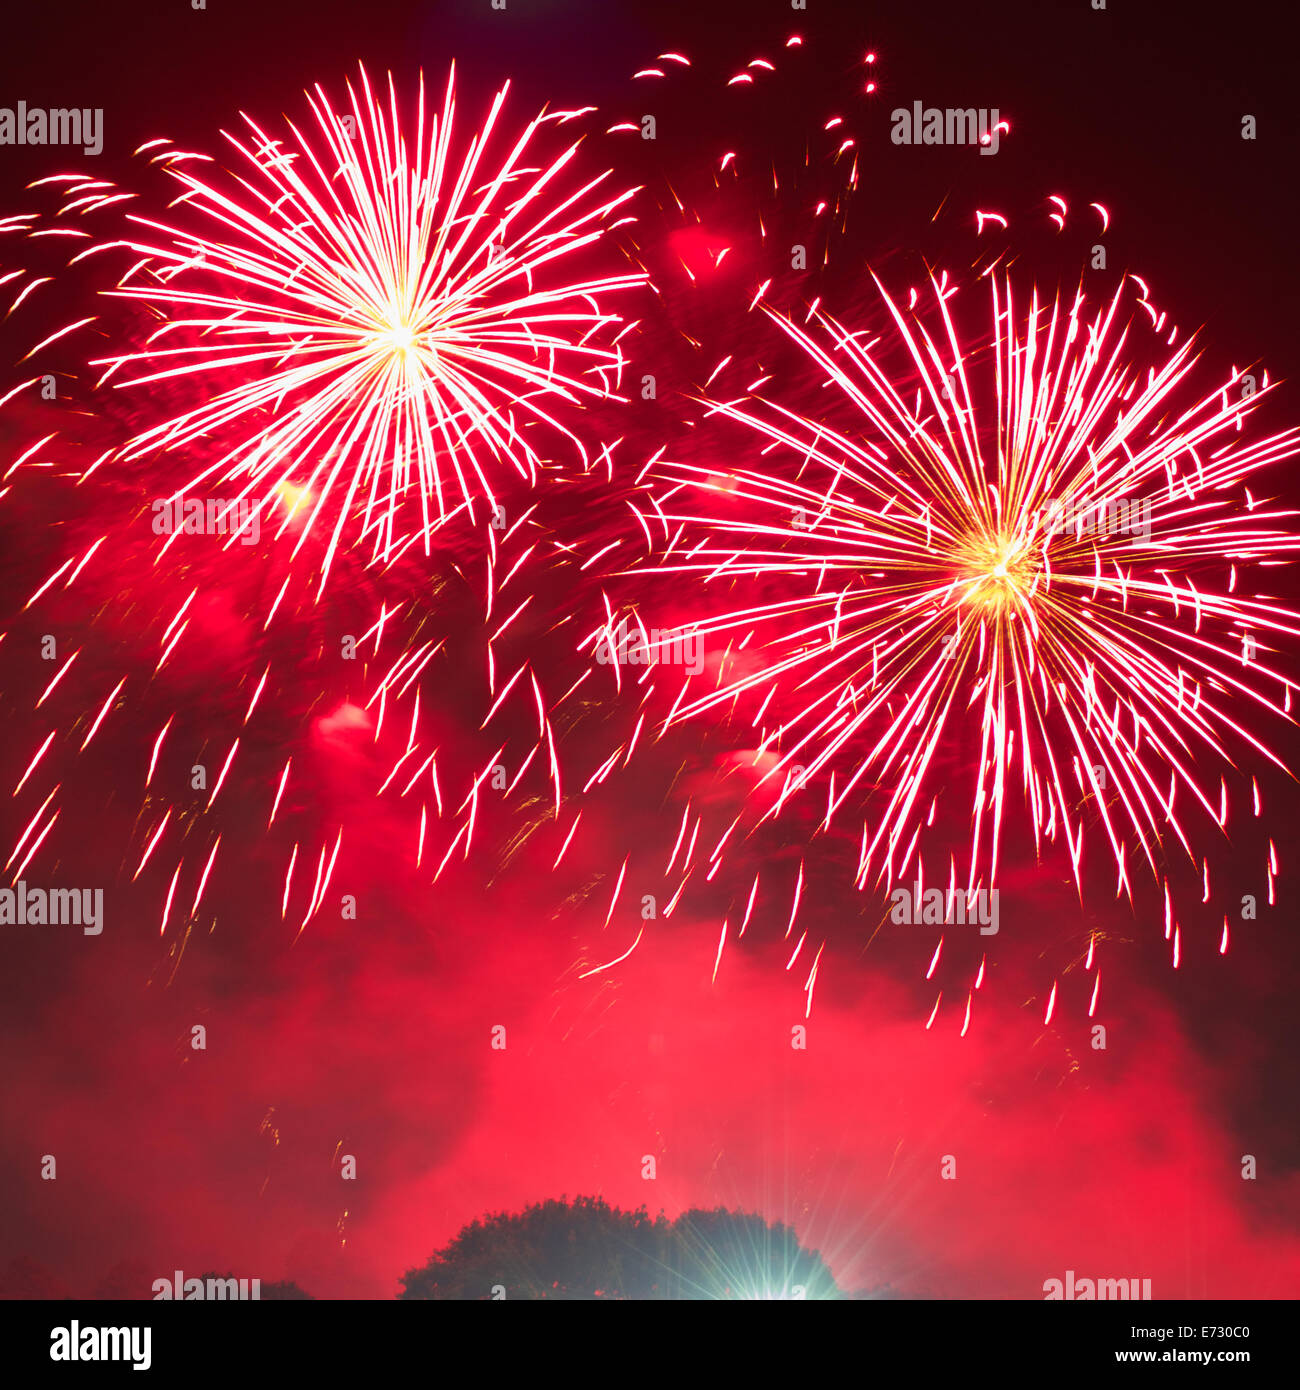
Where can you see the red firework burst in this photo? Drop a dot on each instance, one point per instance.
(979, 554)
(377, 311)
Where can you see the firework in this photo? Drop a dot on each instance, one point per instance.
(1036, 559)
(371, 314)
(368, 312)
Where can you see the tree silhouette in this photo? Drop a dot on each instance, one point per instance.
(586, 1249)
(285, 1290)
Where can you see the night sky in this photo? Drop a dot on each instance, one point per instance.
(371, 1035)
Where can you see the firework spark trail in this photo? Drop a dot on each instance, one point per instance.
(401, 687)
(931, 574)
(297, 306)
(375, 311)
(690, 247)
(371, 316)
(277, 718)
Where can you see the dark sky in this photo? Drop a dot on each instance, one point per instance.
(371, 1036)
